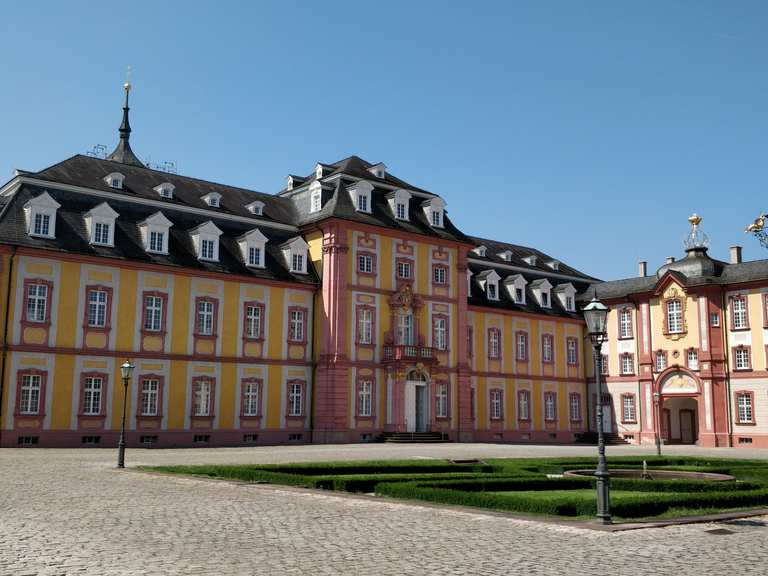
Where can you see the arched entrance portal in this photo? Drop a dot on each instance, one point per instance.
(679, 407)
(416, 402)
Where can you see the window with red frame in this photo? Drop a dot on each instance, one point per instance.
(522, 346)
(30, 394)
(572, 351)
(627, 363)
(150, 396)
(440, 333)
(206, 324)
(741, 357)
(251, 399)
(574, 403)
(254, 320)
(625, 323)
(365, 263)
(98, 303)
(497, 403)
(740, 313)
(37, 302)
(745, 408)
(628, 408)
(494, 343)
(295, 399)
(441, 400)
(547, 344)
(440, 275)
(297, 327)
(365, 398)
(364, 325)
(524, 405)
(202, 397)
(153, 313)
(550, 406)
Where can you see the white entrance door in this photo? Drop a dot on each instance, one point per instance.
(416, 406)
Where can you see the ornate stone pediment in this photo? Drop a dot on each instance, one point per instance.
(405, 298)
(678, 383)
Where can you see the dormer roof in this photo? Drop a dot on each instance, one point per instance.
(103, 210)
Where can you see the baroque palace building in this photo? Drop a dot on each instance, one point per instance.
(343, 308)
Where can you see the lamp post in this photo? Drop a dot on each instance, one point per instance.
(126, 371)
(596, 317)
(657, 405)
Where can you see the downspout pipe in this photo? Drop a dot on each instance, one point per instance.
(6, 327)
(729, 400)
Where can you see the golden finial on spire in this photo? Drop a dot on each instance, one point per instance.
(128, 73)
(694, 219)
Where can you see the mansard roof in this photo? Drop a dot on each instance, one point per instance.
(72, 236)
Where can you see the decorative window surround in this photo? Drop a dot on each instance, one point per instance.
(692, 359)
(251, 390)
(739, 306)
(440, 332)
(566, 294)
(161, 226)
(542, 292)
(404, 268)
(40, 216)
(442, 400)
(100, 224)
(295, 255)
(253, 320)
(440, 275)
(521, 346)
(37, 302)
(206, 318)
(496, 397)
(30, 393)
(315, 197)
(297, 325)
(627, 364)
(296, 392)
(256, 208)
(360, 193)
(97, 313)
(550, 406)
(674, 316)
(523, 405)
(399, 202)
(660, 360)
(628, 409)
(745, 407)
(253, 248)
(547, 348)
(154, 311)
(365, 394)
(366, 263)
(742, 358)
(434, 210)
(515, 285)
(624, 316)
(213, 199)
(115, 180)
(574, 406)
(150, 400)
(165, 190)
(494, 343)
(205, 239)
(366, 325)
(93, 395)
(203, 398)
(572, 351)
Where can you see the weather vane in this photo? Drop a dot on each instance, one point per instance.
(758, 229)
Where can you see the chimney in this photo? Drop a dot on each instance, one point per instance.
(735, 254)
(670, 259)
(643, 268)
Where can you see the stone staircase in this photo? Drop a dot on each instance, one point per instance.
(413, 437)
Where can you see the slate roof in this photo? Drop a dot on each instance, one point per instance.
(72, 236)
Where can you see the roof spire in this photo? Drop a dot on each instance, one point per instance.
(123, 152)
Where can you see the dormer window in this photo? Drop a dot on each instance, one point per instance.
(256, 208)
(115, 180)
(554, 264)
(489, 280)
(566, 293)
(165, 190)
(399, 201)
(492, 292)
(541, 289)
(360, 192)
(154, 233)
(433, 209)
(252, 246)
(519, 296)
(319, 171)
(295, 254)
(531, 260)
(516, 288)
(40, 216)
(213, 199)
(379, 170)
(545, 299)
(100, 224)
(480, 251)
(205, 239)
(506, 255)
(315, 197)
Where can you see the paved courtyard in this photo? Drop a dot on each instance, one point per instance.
(71, 512)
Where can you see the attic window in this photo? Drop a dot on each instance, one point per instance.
(480, 251)
(40, 216)
(433, 209)
(115, 180)
(531, 260)
(295, 254)
(379, 170)
(252, 246)
(360, 193)
(165, 190)
(213, 199)
(399, 202)
(315, 197)
(154, 233)
(100, 224)
(506, 255)
(554, 264)
(256, 208)
(516, 288)
(205, 239)
(492, 291)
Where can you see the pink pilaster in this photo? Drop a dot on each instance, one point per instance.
(463, 380)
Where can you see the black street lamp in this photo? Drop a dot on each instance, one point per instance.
(596, 317)
(126, 371)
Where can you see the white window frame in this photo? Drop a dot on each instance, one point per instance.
(204, 317)
(674, 316)
(492, 289)
(37, 302)
(547, 344)
(297, 326)
(365, 263)
(661, 361)
(495, 411)
(97, 308)
(153, 313)
(165, 190)
(201, 391)
(441, 333)
(405, 266)
(574, 405)
(93, 390)
(745, 409)
(296, 399)
(30, 391)
(627, 365)
(158, 223)
(365, 398)
(494, 349)
(441, 400)
(628, 408)
(251, 399)
(740, 311)
(365, 326)
(625, 323)
(440, 275)
(550, 406)
(156, 241)
(45, 207)
(524, 405)
(571, 352)
(405, 329)
(742, 359)
(150, 396)
(253, 321)
(693, 359)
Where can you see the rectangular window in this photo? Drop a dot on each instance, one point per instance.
(250, 398)
(364, 398)
(441, 400)
(741, 356)
(400, 211)
(207, 249)
(714, 320)
(545, 299)
(150, 394)
(297, 326)
(550, 406)
(674, 316)
(101, 233)
(492, 293)
(254, 256)
(253, 321)
(518, 295)
(365, 263)
(156, 241)
(405, 329)
(439, 274)
(404, 270)
(153, 313)
(31, 386)
(42, 225)
(297, 263)
(740, 315)
(661, 361)
(625, 323)
(97, 308)
(201, 394)
(440, 336)
(569, 303)
(546, 348)
(496, 397)
(362, 202)
(315, 202)
(524, 405)
(628, 410)
(693, 359)
(437, 218)
(744, 406)
(522, 346)
(604, 365)
(572, 351)
(37, 302)
(92, 391)
(627, 364)
(295, 399)
(575, 407)
(205, 318)
(494, 344)
(365, 326)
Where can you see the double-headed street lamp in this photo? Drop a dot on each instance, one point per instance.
(126, 371)
(596, 317)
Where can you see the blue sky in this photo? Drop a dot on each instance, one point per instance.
(590, 130)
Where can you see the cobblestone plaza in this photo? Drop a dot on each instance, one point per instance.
(68, 512)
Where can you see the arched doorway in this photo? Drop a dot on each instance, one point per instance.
(417, 402)
(679, 407)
